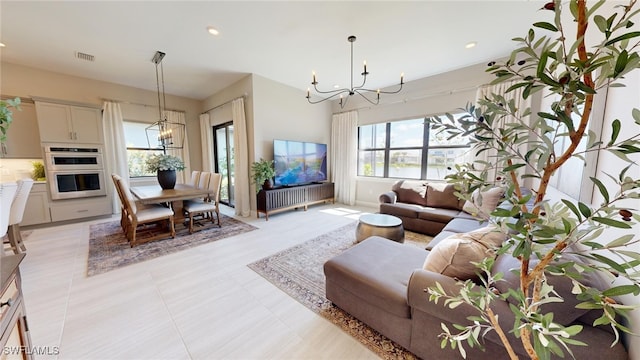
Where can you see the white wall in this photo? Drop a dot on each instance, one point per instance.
(620, 102)
(23, 81)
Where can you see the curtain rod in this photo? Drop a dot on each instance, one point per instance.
(139, 104)
(223, 104)
(445, 92)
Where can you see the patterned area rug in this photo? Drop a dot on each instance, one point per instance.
(298, 271)
(109, 249)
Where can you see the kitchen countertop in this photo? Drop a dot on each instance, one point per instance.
(9, 264)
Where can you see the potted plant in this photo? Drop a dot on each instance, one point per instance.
(165, 166)
(548, 238)
(6, 116)
(263, 172)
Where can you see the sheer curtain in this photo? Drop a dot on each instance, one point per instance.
(206, 139)
(115, 149)
(344, 155)
(178, 117)
(241, 153)
(520, 103)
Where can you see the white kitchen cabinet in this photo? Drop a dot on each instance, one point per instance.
(23, 137)
(71, 209)
(37, 209)
(69, 123)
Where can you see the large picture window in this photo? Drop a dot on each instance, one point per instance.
(138, 150)
(407, 149)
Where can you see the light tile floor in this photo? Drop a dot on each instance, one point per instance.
(201, 303)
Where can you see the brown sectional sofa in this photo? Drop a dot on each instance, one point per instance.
(382, 283)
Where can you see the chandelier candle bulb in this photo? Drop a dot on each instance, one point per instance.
(365, 66)
(401, 78)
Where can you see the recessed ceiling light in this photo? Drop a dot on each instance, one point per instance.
(212, 30)
(336, 86)
(471, 45)
(2, 45)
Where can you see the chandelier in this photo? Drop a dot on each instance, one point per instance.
(163, 134)
(372, 96)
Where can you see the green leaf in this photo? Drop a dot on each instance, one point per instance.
(630, 35)
(601, 23)
(611, 263)
(622, 290)
(615, 125)
(611, 222)
(621, 241)
(584, 209)
(546, 26)
(621, 63)
(601, 188)
(636, 115)
(573, 208)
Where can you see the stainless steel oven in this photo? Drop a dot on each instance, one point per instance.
(74, 171)
(76, 184)
(60, 157)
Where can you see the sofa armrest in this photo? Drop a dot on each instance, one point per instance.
(389, 197)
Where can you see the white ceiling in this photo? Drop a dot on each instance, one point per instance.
(282, 41)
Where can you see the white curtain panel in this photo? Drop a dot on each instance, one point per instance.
(241, 153)
(179, 118)
(344, 156)
(206, 138)
(115, 149)
(520, 103)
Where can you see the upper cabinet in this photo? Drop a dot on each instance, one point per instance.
(69, 123)
(23, 137)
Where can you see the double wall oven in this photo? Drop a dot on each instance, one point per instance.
(74, 171)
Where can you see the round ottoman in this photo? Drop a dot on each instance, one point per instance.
(386, 226)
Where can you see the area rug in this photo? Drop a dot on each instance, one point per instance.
(109, 249)
(298, 271)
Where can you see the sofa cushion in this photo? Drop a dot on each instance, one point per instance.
(411, 192)
(439, 238)
(377, 271)
(437, 214)
(483, 202)
(456, 255)
(565, 312)
(441, 196)
(462, 225)
(401, 209)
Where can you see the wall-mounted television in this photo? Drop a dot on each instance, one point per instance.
(298, 162)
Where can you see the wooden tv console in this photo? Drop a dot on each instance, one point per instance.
(286, 198)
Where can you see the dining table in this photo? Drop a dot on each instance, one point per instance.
(154, 194)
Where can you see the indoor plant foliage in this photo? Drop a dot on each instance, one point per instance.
(544, 235)
(6, 116)
(164, 162)
(262, 171)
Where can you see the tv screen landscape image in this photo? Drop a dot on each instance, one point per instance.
(298, 162)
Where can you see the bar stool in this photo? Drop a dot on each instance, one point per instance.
(7, 193)
(16, 214)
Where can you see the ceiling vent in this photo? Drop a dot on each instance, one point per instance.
(83, 56)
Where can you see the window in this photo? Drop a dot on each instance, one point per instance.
(407, 149)
(138, 150)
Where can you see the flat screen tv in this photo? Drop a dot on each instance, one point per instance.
(298, 162)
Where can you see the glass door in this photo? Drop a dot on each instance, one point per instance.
(224, 163)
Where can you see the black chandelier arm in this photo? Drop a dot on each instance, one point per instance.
(376, 102)
(338, 92)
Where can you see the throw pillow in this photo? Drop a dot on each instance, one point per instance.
(455, 255)
(441, 196)
(483, 202)
(411, 192)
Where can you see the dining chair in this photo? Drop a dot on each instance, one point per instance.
(16, 213)
(141, 217)
(203, 180)
(195, 177)
(123, 209)
(206, 206)
(7, 193)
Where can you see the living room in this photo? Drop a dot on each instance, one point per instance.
(230, 312)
